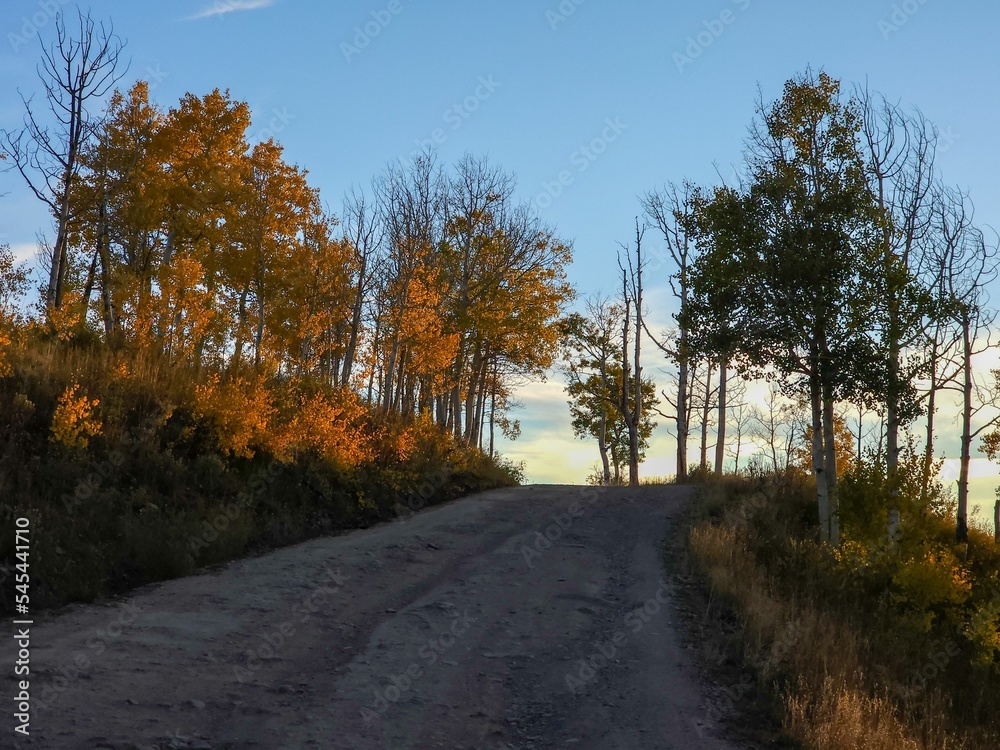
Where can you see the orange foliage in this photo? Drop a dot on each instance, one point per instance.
(179, 314)
(332, 425)
(73, 422)
(241, 410)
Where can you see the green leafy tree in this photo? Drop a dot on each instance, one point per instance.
(592, 356)
(788, 280)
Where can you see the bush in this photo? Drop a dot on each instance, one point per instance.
(134, 471)
(895, 644)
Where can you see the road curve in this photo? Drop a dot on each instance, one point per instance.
(533, 617)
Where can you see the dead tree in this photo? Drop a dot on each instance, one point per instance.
(76, 71)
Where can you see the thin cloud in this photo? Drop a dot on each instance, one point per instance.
(222, 7)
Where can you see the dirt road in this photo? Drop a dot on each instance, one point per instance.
(534, 617)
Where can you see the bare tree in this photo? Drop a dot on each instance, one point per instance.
(969, 264)
(669, 210)
(76, 71)
(703, 404)
(364, 230)
(741, 421)
(631, 408)
(771, 424)
(900, 153)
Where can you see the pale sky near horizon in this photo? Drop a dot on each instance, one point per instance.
(616, 98)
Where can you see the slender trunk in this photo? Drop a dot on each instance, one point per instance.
(390, 369)
(633, 433)
(352, 341)
(455, 418)
(706, 409)
(720, 443)
(493, 412)
(996, 521)
(818, 456)
(477, 431)
(105, 256)
(891, 428)
(925, 479)
(259, 336)
(682, 416)
(624, 407)
(57, 273)
(602, 445)
(396, 404)
(830, 450)
(773, 436)
(683, 424)
(470, 396)
(442, 410)
(962, 527)
(241, 321)
(63, 271)
(371, 372)
(88, 289)
(892, 414)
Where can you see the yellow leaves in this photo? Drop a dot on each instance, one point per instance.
(935, 578)
(182, 310)
(431, 349)
(6, 346)
(73, 423)
(331, 425)
(66, 318)
(240, 411)
(983, 631)
(991, 441)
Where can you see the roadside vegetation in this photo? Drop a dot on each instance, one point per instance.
(830, 301)
(872, 644)
(206, 360)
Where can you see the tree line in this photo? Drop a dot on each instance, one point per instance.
(433, 293)
(841, 267)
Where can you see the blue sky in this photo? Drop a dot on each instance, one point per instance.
(347, 86)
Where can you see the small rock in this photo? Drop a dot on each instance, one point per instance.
(197, 704)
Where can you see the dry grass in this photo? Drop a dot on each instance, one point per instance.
(127, 480)
(836, 691)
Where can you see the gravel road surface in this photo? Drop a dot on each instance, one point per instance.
(533, 617)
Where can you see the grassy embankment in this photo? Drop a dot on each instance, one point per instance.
(133, 470)
(872, 645)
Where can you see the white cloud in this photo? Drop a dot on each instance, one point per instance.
(222, 7)
(24, 251)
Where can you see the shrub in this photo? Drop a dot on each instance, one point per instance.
(897, 645)
(73, 422)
